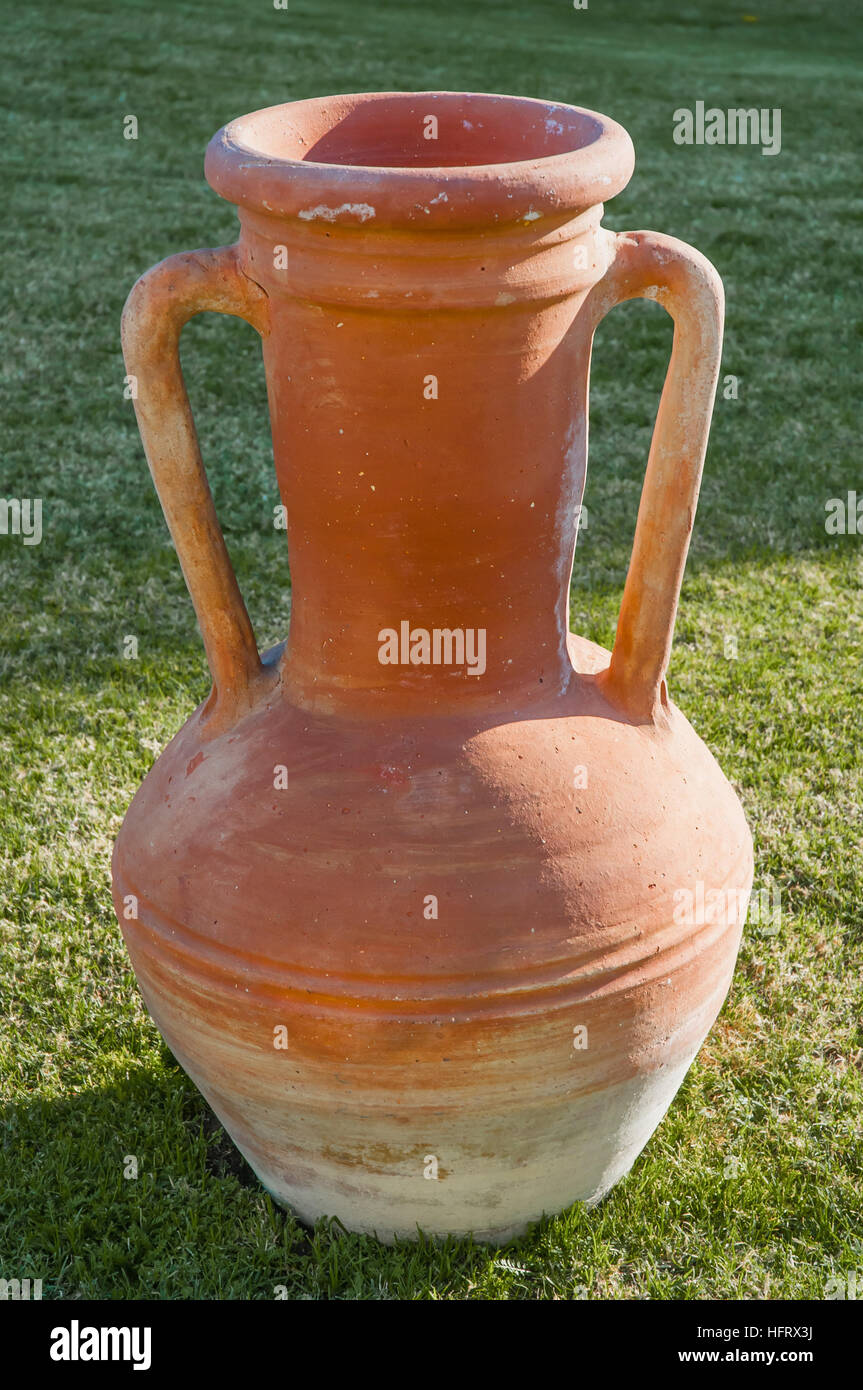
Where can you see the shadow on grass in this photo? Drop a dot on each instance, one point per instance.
(134, 1190)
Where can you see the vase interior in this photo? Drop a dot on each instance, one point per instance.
(420, 130)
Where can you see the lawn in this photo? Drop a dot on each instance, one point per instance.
(751, 1186)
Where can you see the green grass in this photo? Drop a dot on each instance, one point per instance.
(750, 1188)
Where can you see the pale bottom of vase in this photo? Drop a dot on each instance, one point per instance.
(488, 1175)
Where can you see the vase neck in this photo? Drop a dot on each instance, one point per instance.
(430, 536)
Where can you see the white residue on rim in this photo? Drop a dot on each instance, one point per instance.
(361, 210)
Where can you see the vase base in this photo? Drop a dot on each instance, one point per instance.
(527, 1165)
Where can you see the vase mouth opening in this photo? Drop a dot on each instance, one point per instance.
(433, 158)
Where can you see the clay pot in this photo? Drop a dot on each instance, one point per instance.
(437, 904)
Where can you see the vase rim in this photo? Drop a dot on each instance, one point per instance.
(420, 159)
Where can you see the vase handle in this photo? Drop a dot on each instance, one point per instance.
(647, 265)
(160, 303)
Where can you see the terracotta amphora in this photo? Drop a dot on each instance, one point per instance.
(436, 902)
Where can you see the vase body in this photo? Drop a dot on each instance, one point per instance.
(421, 919)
